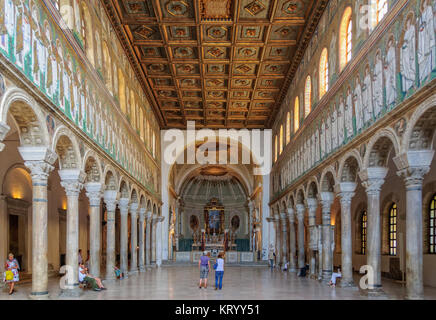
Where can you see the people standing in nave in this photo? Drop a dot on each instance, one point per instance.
(219, 271)
(204, 265)
(407, 56)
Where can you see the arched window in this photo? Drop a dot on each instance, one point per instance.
(275, 148)
(107, 67)
(86, 33)
(288, 127)
(307, 96)
(345, 38)
(281, 139)
(132, 110)
(323, 73)
(393, 230)
(296, 114)
(122, 91)
(432, 225)
(141, 124)
(379, 8)
(154, 145)
(363, 231)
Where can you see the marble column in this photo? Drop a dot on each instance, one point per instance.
(133, 237)
(292, 241)
(301, 253)
(39, 160)
(413, 166)
(372, 179)
(154, 222)
(326, 199)
(72, 181)
(345, 192)
(278, 246)
(148, 239)
(94, 194)
(124, 236)
(312, 206)
(111, 200)
(283, 217)
(141, 239)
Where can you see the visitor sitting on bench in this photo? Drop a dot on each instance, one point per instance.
(84, 276)
(335, 275)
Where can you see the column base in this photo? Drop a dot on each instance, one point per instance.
(348, 284)
(133, 271)
(71, 293)
(292, 270)
(142, 268)
(39, 295)
(326, 276)
(414, 297)
(112, 277)
(313, 276)
(376, 292)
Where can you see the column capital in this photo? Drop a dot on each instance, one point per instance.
(111, 199)
(149, 216)
(142, 213)
(283, 216)
(300, 211)
(373, 179)
(94, 193)
(312, 205)
(345, 191)
(72, 181)
(291, 215)
(413, 166)
(133, 208)
(123, 203)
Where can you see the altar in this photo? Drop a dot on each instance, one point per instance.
(214, 238)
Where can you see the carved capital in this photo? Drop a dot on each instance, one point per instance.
(94, 193)
(312, 206)
(149, 216)
(111, 200)
(124, 205)
(413, 176)
(373, 179)
(134, 208)
(300, 211)
(142, 214)
(72, 188)
(39, 170)
(291, 215)
(72, 181)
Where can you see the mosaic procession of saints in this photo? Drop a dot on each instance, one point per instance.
(32, 47)
(367, 101)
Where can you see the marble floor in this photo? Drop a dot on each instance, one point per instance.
(240, 283)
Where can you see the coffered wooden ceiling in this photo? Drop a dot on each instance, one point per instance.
(221, 63)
